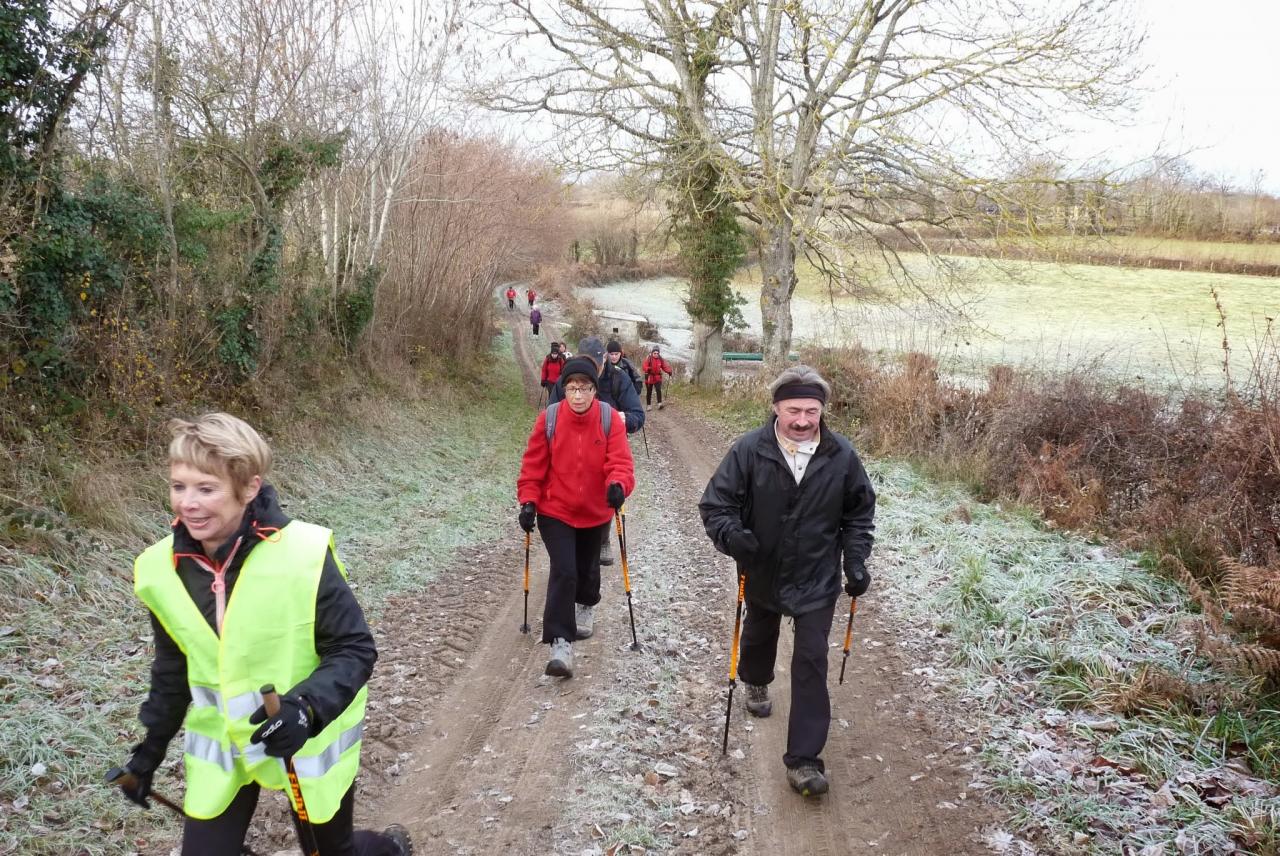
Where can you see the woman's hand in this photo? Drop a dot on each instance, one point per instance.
(615, 496)
(284, 733)
(528, 516)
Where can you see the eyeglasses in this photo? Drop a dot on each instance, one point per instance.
(579, 390)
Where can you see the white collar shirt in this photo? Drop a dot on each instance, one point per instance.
(797, 455)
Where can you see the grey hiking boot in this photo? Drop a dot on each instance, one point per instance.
(758, 703)
(561, 663)
(400, 838)
(661, 404)
(606, 552)
(807, 780)
(585, 616)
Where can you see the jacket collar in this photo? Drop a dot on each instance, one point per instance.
(767, 441)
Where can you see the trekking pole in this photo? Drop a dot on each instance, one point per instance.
(301, 820)
(733, 660)
(848, 637)
(620, 518)
(645, 435)
(528, 537)
(123, 778)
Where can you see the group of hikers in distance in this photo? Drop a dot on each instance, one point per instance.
(243, 599)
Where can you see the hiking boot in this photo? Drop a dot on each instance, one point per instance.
(648, 407)
(585, 616)
(561, 663)
(807, 780)
(606, 553)
(400, 838)
(758, 703)
(661, 404)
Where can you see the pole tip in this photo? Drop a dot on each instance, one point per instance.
(267, 689)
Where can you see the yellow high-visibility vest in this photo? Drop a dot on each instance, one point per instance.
(268, 637)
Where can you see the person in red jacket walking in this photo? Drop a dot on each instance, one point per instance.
(531, 294)
(653, 367)
(571, 483)
(511, 297)
(552, 365)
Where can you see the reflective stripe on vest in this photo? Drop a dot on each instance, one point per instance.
(268, 637)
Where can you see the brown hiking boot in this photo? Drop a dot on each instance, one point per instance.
(758, 703)
(807, 780)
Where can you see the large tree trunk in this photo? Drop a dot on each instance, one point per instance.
(778, 263)
(707, 369)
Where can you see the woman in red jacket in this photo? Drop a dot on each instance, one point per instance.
(571, 484)
(653, 367)
(552, 365)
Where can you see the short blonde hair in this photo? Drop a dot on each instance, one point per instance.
(221, 444)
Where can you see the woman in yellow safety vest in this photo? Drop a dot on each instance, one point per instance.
(241, 596)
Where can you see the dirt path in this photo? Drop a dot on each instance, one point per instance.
(477, 752)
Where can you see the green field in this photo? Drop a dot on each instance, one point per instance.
(1154, 325)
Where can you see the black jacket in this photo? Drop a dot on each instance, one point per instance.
(636, 379)
(343, 640)
(803, 529)
(614, 389)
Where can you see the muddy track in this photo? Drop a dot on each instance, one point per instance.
(474, 749)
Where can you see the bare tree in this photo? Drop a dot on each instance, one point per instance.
(832, 123)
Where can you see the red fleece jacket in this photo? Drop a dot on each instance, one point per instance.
(568, 480)
(551, 371)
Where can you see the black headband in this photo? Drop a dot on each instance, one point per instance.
(799, 389)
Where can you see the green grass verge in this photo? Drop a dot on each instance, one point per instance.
(404, 497)
(1066, 649)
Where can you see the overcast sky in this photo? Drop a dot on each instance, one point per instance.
(1215, 87)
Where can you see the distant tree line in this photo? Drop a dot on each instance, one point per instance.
(1168, 200)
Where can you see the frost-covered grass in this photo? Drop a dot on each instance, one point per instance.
(611, 758)
(404, 487)
(431, 479)
(1077, 662)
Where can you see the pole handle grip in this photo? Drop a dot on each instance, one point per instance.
(270, 699)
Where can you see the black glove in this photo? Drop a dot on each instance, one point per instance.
(528, 516)
(284, 733)
(142, 764)
(742, 545)
(615, 496)
(858, 583)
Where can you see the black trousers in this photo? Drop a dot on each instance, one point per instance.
(810, 701)
(574, 577)
(511, 303)
(535, 329)
(648, 392)
(223, 835)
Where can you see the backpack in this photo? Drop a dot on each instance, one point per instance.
(553, 412)
(636, 380)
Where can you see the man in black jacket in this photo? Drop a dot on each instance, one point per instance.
(791, 503)
(616, 388)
